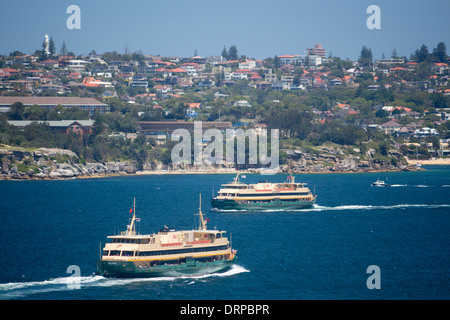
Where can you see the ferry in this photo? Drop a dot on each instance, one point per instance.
(169, 252)
(263, 196)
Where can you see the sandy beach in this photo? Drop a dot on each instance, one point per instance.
(439, 161)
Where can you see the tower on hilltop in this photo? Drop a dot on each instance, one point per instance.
(46, 44)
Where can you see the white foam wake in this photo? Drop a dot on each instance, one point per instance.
(317, 207)
(14, 290)
(370, 207)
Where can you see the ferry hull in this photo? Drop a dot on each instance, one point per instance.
(228, 204)
(129, 269)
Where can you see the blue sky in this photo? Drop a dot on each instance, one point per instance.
(259, 29)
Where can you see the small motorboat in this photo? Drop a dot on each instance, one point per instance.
(380, 183)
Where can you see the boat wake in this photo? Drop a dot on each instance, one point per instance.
(369, 207)
(317, 207)
(18, 290)
(417, 185)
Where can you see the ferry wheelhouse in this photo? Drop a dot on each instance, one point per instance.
(263, 195)
(169, 252)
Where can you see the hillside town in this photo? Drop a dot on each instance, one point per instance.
(368, 114)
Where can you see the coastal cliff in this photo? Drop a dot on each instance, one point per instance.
(45, 163)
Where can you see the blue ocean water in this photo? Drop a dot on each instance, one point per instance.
(321, 253)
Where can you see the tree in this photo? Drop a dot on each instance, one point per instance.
(439, 100)
(381, 113)
(51, 47)
(233, 53)
(422, 54)
(365, 58)
(440, 52)
(64, 48)
(225, 53)
(220, 76)
(394, 54)
(16, 111)
(34, 112)
(276, 62)
(292, 121)
(99, 124)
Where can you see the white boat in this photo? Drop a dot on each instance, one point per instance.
(380, 183)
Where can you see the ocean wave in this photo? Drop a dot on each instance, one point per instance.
(14, 290)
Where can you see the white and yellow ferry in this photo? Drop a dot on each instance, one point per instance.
(263, 195)
(169, 252)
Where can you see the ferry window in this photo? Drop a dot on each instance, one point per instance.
(145, 241)
(127, 253)
(114, 253)
(105, 252)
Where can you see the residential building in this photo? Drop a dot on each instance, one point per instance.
(139, 83)
(89, 104)
(317, 50)
(81, 127)
(77, 65)
(242, 103)
(294, 59)
(248, 64)
(238, 76)
(391, 127)
(335, 82)
(167, 126)
(287, 79)
(263, 85)
(92, 82)
(271, 77)
(199, 60)
(313, 60)
(50, 64)
(305, 81)
(440, 68)
(52, 88)
(280, 86)
(205, 83)
(387, 63)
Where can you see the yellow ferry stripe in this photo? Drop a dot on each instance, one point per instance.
(178, 257)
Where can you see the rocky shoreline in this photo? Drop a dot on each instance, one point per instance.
(47, 164)
(53, 164)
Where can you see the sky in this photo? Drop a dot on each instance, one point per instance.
(258, 28)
